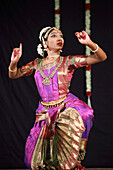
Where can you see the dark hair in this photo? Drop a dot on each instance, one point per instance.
(43, 35)
(45, 39)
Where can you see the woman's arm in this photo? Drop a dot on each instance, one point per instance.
(99, 55)
(15, 72)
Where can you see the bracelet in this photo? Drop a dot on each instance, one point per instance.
(12, 70)
(94, 51)
(81, 155)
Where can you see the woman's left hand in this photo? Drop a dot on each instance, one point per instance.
(83, 37)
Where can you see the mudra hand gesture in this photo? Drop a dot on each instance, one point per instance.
(16, 54)
(83, 37)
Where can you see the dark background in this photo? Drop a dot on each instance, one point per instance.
(21, 21)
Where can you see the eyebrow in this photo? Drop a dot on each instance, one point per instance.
(56, 33)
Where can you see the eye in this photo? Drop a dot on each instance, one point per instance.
(61, 36)
(53, 35)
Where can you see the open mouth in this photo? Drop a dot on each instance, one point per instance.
(59, 44)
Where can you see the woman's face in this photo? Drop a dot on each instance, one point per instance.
(55, 40)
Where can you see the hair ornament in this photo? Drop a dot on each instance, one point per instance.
(42, 46)
(45, 47)
(42, 31)
(40, 50)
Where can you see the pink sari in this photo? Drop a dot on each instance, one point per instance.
(61, 119)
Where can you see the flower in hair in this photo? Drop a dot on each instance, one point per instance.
(40, 50)
(42, 31)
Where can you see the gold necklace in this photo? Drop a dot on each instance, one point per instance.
(46, 80)
(48, 66)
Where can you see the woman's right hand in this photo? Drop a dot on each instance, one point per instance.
(16, 54)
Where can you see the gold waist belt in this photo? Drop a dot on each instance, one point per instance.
(53, 103)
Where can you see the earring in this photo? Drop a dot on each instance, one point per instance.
(60, 51)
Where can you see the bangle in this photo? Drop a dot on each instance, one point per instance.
(12, 70)
(94, 51)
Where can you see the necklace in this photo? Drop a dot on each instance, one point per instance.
(46, 80)
(49, 65)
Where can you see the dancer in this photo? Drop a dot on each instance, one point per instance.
(60, 132)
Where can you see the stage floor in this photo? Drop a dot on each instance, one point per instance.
(85, 169)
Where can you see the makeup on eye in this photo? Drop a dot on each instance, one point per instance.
(54, 34)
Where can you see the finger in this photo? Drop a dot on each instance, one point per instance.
(77, 34)
(83, 32)
(15, 49)
(12, 56)
(16, 52)
(86, 34)
(83, 35)
(20, 49)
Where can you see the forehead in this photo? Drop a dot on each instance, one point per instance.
(56, 31)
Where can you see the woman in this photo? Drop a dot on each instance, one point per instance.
(59, 135)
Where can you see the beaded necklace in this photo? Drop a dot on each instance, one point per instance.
(46, 80)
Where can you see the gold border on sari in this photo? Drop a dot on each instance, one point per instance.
(52, 103)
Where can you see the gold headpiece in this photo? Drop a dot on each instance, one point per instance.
(45, 36)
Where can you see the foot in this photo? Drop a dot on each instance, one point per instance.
(79, 166)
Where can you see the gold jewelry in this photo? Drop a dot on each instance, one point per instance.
(46, 80)
(45, 36)
(52, 103)
(81, 155)
(12, 70)
(83, 143)
(47, 66)
(50, 65)
(94, 51)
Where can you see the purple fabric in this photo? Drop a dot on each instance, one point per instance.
(84, 110)
(47, 93)
(72, 101)
(50, 93)
(31, 142)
